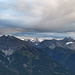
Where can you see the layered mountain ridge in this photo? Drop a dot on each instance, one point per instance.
(18, 57)
(62, 51)
(67, 42)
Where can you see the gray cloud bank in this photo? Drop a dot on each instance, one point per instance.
(37, 16)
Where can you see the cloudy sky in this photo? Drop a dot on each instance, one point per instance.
(38, 18)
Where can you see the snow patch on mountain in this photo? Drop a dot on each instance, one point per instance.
(52, 46)
(8, 52)
(36, 44)
(8, 59)
(69, 43)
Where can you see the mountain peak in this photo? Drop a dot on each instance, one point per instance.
(11, 43)
(7, 36)
(68, 39)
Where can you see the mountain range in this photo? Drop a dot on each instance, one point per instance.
(62, 51)
(24, 57)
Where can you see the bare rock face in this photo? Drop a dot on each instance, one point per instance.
(9, 44)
